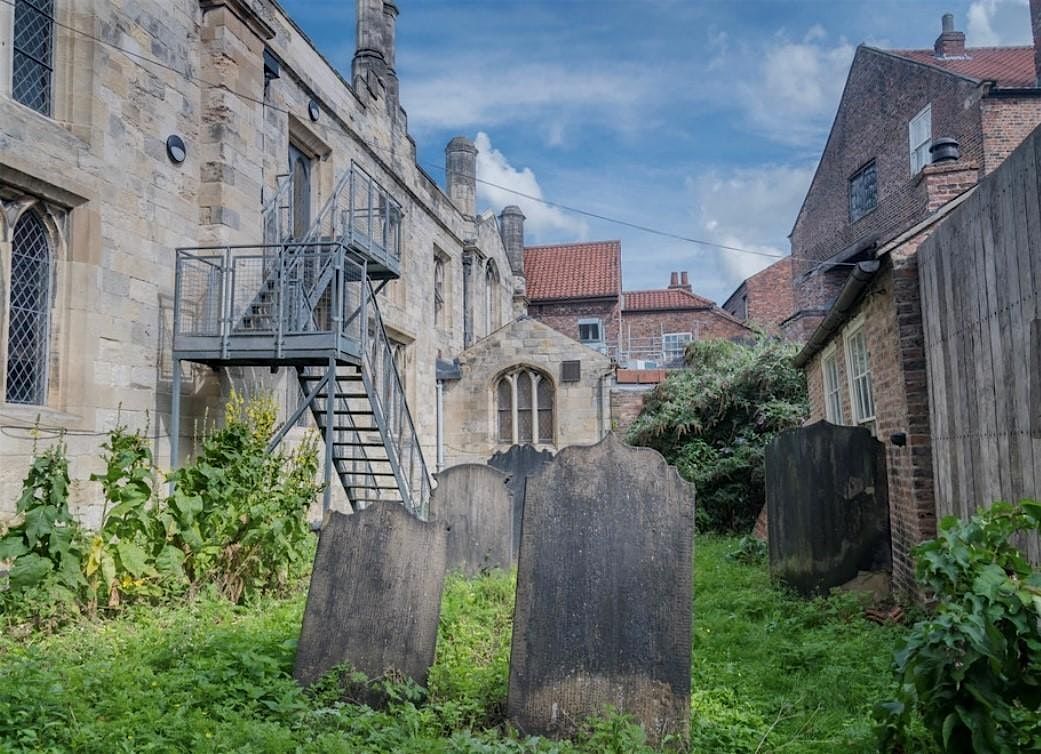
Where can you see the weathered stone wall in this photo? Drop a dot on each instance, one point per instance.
(124, 208)
(581, 414)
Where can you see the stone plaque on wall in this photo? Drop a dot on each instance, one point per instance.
(473, 503)
(604, 593)
(375, 595)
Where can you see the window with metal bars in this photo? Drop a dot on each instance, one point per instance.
(524, 405)
(28, 322)
(33, 64)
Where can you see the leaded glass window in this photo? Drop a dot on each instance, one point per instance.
(524, 401)
(28, 331)
(33, 54)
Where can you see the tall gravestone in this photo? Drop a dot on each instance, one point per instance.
(519, 463)
(375, 595)
(473, 503)
(604, 593)
(827, 506)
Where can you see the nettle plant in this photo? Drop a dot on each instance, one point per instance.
(42, 553)
(972, 670)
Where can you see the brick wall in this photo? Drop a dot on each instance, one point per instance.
(892, 320)
(765, 299)
(626, 405)
(883, 93)
(1006, 122)
(701, 323)
(563, 316)
(946, 181)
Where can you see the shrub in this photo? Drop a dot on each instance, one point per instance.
(45, 549)
(239, 513)
(972, 670)
(714, 420)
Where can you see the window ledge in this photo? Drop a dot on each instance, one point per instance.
(29, 416)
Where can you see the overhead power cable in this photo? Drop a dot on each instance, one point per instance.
(530, 197)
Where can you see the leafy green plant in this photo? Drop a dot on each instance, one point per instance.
(972, 670)
(239, 513)
(43, 551)
(714, 420)
(749, 550)
(128, 556)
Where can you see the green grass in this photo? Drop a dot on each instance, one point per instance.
(771, 673)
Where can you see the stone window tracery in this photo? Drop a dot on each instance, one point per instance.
(524, 407)
(492, 310)
(439, 291)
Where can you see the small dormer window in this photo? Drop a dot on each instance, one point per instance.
(863, 192)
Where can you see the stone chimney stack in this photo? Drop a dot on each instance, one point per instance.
(461, 174)
(373, 64)
(950, 43)
(1035, 22)
(511, 225)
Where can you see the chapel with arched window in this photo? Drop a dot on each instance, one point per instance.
(524, 400)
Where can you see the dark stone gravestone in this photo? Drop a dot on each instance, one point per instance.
(519, 463)
(827, 506)
(473, 502)
(375, 596)
(604, 593)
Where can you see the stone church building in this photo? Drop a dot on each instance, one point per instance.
(142, 140)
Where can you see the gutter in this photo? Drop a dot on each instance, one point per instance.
(858, 280)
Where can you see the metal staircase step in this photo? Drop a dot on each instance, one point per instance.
(359, 445)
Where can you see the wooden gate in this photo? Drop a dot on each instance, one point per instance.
(979, 274)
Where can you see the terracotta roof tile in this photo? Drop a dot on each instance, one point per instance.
(663, 298)
(1011, 67)
(573, 270)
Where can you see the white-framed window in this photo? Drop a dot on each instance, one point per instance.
(920, 138)
(524, 407)
(590, 331)
(832, 392)
(858, 370)
(674, 345)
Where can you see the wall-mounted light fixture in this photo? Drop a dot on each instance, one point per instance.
(313, 110)
(175, 149)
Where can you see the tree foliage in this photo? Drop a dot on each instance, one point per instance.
(714, 419)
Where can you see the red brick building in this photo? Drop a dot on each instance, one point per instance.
(914, 132)
(658, 324)
(766, 299)
(576, 289)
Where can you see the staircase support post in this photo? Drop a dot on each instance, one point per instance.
(330, 433)
(175, 420)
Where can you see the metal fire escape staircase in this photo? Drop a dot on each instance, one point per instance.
(310, 303)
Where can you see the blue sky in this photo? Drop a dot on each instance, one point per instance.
(704, 119)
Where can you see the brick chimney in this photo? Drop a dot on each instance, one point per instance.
(674, 280)
(679, 280)
(685, 282)
(950, 43)
(1035, 22)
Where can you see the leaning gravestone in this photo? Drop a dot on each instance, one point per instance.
(474, 504)
(604, 593)
(827, 506)
(519, 463)
(375, 596)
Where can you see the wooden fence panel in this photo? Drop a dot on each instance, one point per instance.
(980, 277)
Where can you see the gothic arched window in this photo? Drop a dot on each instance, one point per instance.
(28, 325)
(439, 292)
(524, 407)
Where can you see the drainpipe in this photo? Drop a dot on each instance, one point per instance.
(440, 425)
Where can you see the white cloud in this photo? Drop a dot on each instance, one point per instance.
(494, 168)
(749, 208)
(998, 22)
(792, 94)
